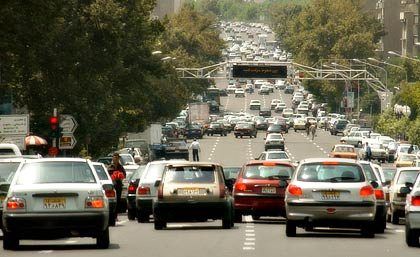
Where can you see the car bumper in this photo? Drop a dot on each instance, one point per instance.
(144, 205)
(263, 205)
(242, 133)
(398, 207)
(413, 220)
(57, 224)
(190, 211)
(338, 211)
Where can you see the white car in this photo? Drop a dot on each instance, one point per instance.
(255, 105)
(412, 213)
(231, 89)
(239, 92)
(60, 197)
(274, 103)
(287, 113)
(274, 155)
(280, 107)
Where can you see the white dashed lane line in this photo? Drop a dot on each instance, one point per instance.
(249, 244)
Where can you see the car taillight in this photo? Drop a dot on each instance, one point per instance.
(294, 190)
(160, 191)
(415, 200)
(15, 203)
(379, 194)
(240, 187)
(95, 202)
(143, 190)
(132, 189)
(366, 191)
(110, 193)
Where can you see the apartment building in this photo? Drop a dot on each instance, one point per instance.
(167, 7)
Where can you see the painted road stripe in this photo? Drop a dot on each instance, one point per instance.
(250, 235)
(248, 248)
(249, 243)
(249, 230)
(250, 239)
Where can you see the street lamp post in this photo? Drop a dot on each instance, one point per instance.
(403, 56)
(392, 65)
(375, 66)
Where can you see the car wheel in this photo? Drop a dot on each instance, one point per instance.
(290, 228)
(368, 230)
(102, 241)
(295, 130)
(159, 224)
(256, 217)
(395, 218)
(238, 217)
(411, 237)
(131, 214)
(10, 241)
(142, 217)
(241, 136)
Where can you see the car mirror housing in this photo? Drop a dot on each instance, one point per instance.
(405, 190)
(157, 183)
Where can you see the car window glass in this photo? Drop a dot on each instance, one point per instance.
(138, 173)
(55, 172)
(231, 172)
(153, 172)
(279, 155)
(268, 172)
(101, 172)
(407, 176)
(190, 175)
(7, 170)
(319, 172)
(6, 151)
(370, 174)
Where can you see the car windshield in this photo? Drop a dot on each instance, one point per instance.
(231, 172)
(407, 176)
(268, 171)
(153, 172)
(101, 172)
(126, 159)
(190, 174)
(330, 172)
(275, 127)
(277, 155)
(389, 173)
(55, 172)
(344, 149)
(7, 170)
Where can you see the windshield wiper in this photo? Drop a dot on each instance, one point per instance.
(278, 177)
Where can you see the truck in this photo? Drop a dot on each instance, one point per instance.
(198, 113)
(152, 135)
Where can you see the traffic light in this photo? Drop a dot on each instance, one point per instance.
(55, 127)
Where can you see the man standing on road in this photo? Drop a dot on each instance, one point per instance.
(195, 146)
(117, 172)
(368, 152)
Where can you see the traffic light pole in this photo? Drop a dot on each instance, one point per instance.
(54, 140)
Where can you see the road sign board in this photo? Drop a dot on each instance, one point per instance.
(67, 141)
(263, 72)
(18, 140)
(14, 124)
(68, 123)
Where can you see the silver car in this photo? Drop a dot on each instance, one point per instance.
(412, 213)
(108, 186)
(396, 196)
(330, 192)
(55, 198)
(146, 193)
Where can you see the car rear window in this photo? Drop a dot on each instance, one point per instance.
(267, 171)
(153, 172)
(407, 176)
(6, 151)
(344, 149)
(320, 172)
(231, 172)
(55, 172)
(137, 174)
(275, 137)
(408, 158)
(277, 156)
(389, 173)
(190, 174)
(101, 172)
(7, 170)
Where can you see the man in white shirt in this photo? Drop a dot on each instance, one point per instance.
(195, 146)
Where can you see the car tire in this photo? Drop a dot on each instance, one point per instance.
(131, 214)
(10, 241)
(102, 241)
(368, 230)
(256, 217)
(290, 228)
(395, 218)
(142, 217)
(159, 224)
(112, 219)
(412, 237)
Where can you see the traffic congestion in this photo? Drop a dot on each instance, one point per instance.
(274, 165)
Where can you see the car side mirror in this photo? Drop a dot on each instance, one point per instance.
(229, 183)
(405, 190)
(409, 184)
(374, 184)
(283, 183)
(157, 183)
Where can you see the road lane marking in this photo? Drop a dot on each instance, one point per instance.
(45, 251)
(249, 230)
(249, 243)
(250, 235)
(74, 241)
(248, 248)
(250, 239)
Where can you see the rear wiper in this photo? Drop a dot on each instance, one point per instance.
(278, 177)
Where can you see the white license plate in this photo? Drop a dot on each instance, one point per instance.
(330, 195)
(54, 203)
(191, 191)
(268, 190)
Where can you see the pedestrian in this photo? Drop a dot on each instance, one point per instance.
(312, 128)
(326, 124)
(410, 149)
(307, 126)
(368, 152)
(117, 172)
(195, 146)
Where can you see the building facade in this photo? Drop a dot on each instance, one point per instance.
(167, 7)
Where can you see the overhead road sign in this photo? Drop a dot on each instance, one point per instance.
(259, 72)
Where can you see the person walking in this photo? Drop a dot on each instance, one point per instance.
(410, 149)
(117, 172)
(195, 146)
(368, 152)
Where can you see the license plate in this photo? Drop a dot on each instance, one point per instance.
(330, 195)
(54, 203)
(268, 190)
(191, 191)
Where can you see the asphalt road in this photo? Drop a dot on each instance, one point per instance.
(265, 237)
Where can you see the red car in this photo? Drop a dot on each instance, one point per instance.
(259, 189)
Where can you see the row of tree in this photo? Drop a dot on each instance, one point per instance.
(93, 59)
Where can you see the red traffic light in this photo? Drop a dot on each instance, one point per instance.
(54, 122)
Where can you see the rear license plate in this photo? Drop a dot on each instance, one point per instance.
(268, 190)
(54, 203)
(330, 195)
(191, 191)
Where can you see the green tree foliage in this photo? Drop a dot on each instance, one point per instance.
(91, 59)
(389, 124)
(414, 131)
(409, 94)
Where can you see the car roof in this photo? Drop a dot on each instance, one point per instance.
(265, 162)
(188, 163)
(338, 160)
(59, 159)
(16, 159)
